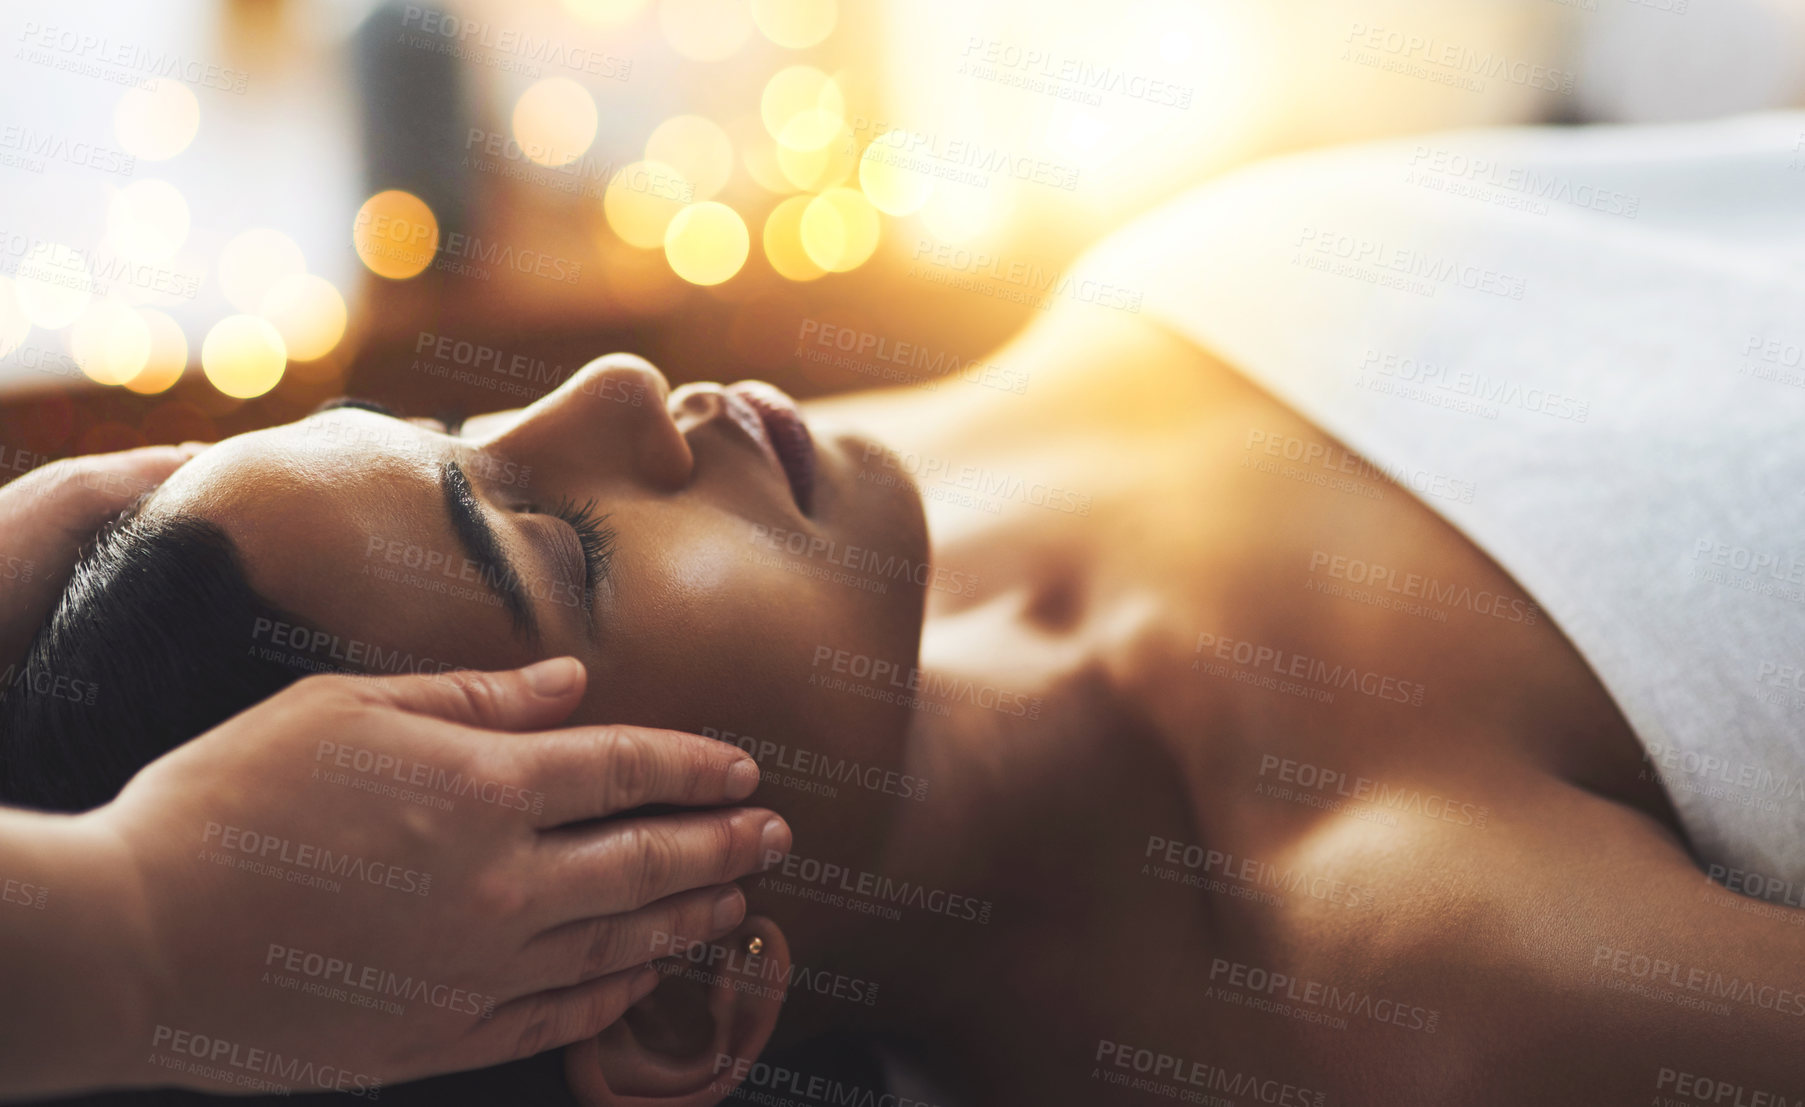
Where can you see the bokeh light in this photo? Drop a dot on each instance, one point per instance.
(158, 121)
(705, 30)
(965, 213)
(815, 151)
(14, 325)
(887, 178)
(147, 221)
(396, 234)
(604, 13)
(783, 241)
(555, 121)
(796, 24)
(641, 200)
(697, 148)
(110, 342)
(253, 261)
(839, 229)
(53, 285)
(758, 154)
(798, 89)
(707, 243)
(243, 356)
(168, 354)
(307, 312)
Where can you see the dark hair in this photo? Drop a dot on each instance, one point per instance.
(153, 643)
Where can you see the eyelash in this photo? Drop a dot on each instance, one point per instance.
(596, 537)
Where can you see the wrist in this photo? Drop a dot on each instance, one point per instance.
(125, 963)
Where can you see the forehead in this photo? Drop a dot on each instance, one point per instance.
(316, 508)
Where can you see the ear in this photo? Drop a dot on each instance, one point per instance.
(693, 1039)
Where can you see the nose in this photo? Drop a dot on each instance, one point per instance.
(610, 417)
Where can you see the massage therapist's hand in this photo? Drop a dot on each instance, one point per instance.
(48, 513)
(365, 880)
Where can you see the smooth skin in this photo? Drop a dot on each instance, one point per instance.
(139, 933)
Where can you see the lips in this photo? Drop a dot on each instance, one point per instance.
(785, 433)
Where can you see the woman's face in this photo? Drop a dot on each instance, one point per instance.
(402, 548)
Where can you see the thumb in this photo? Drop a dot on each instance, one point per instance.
(538, 696)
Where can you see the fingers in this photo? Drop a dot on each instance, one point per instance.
(593, 772)
(578, 952)
(538, 696)
(546, 1020)
(620, 866)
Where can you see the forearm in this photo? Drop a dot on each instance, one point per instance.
(71, 969)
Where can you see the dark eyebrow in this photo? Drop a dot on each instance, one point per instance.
(482, 547)
(356, 404)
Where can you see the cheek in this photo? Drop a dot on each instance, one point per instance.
(718, 634)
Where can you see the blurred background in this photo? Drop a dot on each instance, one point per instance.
(216, 213)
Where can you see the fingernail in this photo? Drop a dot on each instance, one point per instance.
(774, 842)
(553, 678)
(729, 909)
(742, 779)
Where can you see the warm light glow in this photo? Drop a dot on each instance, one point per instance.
(604, 13)
(963, 213)
(705, 30)
(111, 342)
(839, 229)
(53, 285)
(795, 23)
(641, 199)
(395, 234)
(157, 122)
(707, 243)
(758, 155)
(243, 356)
(783, 241)
(799, 89)
(147, 221)
(307, 312)
(255, 260)
(554, 121)
(811, 165)
(697, 148)
(889, 179)
(168, 355)
(14, 325)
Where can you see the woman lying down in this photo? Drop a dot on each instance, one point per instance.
(1367, 674)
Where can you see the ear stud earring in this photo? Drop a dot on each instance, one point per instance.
(755, 946)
